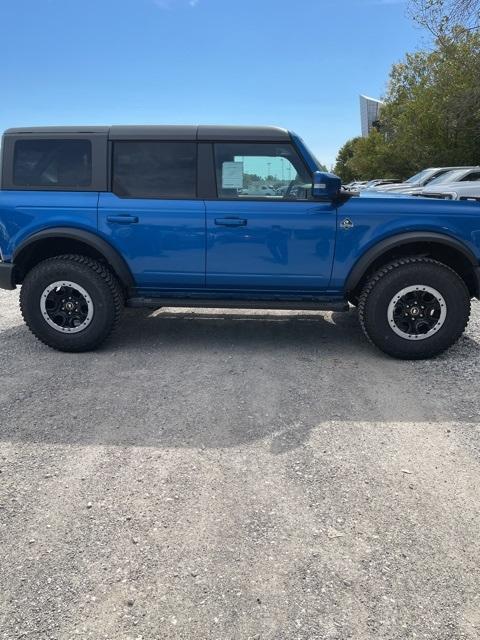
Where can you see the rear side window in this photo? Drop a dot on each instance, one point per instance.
(52, 163)
(151, 169)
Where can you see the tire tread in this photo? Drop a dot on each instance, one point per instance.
(104, 273)
(389, 268)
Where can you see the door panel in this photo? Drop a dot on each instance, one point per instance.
(280, 245)
(163, 241)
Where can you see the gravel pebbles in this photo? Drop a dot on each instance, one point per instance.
(238, 475)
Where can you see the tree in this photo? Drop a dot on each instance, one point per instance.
(443, 17)
(431, 115)
(342, 167)
(373, 158)
(251, 178)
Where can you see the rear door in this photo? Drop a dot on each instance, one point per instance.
(153, 216)
(265, 230)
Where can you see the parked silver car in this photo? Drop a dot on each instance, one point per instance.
(355, 185)
(419, 180)
(453, 191)
(379, 182)
(469, 174)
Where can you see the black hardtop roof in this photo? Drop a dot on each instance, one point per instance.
(54, 130)
(165, 132)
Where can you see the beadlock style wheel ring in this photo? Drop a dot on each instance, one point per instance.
(417, 312)
(66, 307)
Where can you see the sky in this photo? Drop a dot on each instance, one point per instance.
(300, 65)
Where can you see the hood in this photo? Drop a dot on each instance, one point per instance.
(396, 187)
(419, 203)
(371, 193)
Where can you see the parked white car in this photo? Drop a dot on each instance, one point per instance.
(258, 190)
(453, 191)
(419, 180)
(469, 174)
(355, 184)
(379, 182)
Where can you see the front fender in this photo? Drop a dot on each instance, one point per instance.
(383, 246)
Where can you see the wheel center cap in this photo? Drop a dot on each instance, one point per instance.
(69, 306)
(414, 311)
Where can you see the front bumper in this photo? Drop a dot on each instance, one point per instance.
(7, 280)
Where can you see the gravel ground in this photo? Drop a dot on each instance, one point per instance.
(265, 476)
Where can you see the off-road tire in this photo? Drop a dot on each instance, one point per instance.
(391, 279)
(95, 278)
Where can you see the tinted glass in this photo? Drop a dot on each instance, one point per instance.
(472, 177)
(437, 175)
(52, 163)
(261, 170)
(449, 176)
(418, 177)
(154, 169)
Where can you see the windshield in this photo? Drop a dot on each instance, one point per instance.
(450, 176)
(419, 177)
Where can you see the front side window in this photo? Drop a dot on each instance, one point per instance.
(261, 170)
(52, 163)
(154, 169)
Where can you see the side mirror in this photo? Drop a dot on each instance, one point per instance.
(325, 185)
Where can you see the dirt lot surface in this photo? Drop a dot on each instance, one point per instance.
(268, 476)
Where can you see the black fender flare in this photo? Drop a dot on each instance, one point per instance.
(111, 255)
(368, 258)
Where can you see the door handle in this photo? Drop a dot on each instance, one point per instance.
(231, 222)
(126, 219)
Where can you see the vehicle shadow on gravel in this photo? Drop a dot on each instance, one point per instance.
(246, 329)
(140, 330)
(214, 380)
(336, 334)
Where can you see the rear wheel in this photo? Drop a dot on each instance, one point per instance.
(414, 308)
(71, 302)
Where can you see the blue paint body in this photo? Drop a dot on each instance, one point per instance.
(284, 246)
(375, 219)
(261, 248)
(23, 213)
(166, 247)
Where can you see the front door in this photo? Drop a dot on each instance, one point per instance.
(265, 231)
(153, 217)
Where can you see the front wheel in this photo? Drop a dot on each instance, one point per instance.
(414, 308)
(71, 302)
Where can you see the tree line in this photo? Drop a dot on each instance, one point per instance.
(431, 115)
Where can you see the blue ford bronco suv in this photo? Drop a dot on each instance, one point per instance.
(96, 218)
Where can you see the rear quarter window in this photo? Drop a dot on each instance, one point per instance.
(52, 163)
